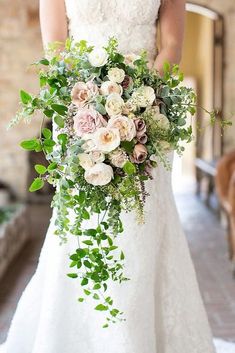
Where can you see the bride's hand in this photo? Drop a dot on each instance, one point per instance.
(171, 23)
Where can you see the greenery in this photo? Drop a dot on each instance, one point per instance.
(97, 259)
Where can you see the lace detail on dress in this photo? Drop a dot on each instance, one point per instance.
(132, 22)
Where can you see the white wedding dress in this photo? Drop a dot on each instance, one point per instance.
(162, 303)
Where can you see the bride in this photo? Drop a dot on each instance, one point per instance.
(162, 303)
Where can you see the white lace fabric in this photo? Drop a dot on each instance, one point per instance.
(162, 303)
(133, 22)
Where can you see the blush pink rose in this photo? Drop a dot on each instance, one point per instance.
(82, 92)
(87, 121)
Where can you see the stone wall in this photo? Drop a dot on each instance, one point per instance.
(21, 45)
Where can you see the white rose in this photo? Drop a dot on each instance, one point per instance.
(114, 104)
(99, 174)
(85, 161)
(97, 156)
(109, 87)
(116, 75)
(129, 107)
(130, 58)
(160, 119)
(106, 139)
(98, 57)
(118, 157)
(125, 125)
(144, 96)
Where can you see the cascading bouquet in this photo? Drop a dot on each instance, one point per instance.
(114, 120)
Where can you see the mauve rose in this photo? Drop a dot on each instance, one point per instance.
(148, 168)
(82, 92)
(139, 153)
(87, 120)
(142, 138)
(127, 82)
(140, 126)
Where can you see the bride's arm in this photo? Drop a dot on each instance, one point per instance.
(171, 23)
(53, 21)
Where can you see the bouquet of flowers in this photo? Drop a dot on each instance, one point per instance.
(115, 119)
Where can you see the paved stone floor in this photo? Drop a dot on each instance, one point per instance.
(208, 248)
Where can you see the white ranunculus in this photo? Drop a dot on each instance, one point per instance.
(118, 157)
(125, 125)
(98, 57)
(99, 174)
(108, 87)
(97, 156)
(116, 75)
(160, 119)
(114, 104)
(144, 96)
(106, 139)
(85, 161)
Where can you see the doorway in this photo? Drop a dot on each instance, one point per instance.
(202, 64)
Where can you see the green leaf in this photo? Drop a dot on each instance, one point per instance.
(72, 275)
(48, 112)
(73, 263)
(44, 61)
(85, 214)
(129, 168)
(114, 312)
(49, 143)
(62, 138)
(37, 184)
(46, 133)
(81, 197)
(122, 256)
(128, 146)
(91, 232)
(59, 121)
(81, 253)
(40, 169)
(87, 292)
(100, 108)
(52, 166)
(74, 257)
(42, 81)
(97, 286)
(81, 300)
(88, 242)
(29, 144)
(87, 264)
(25, 97)
(84, 281)
(59, 108)
(96, 296)
(101, 307)
(166, 67)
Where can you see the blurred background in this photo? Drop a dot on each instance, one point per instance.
(203, 179)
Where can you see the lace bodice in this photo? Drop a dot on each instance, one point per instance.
(132, 22)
